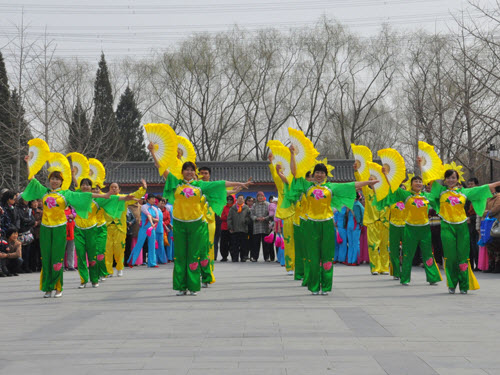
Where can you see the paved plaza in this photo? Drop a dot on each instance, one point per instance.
(254, 320)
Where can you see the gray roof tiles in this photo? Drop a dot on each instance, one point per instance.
(131, 172)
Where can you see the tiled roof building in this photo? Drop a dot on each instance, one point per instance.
(129, 173)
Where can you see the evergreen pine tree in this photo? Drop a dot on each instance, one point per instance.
(6, 158)
(79, 130)
(4, 94)
(104, 139)
(128, 119)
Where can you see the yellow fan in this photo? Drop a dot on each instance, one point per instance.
(281, 156)
(97, 172)
(38, 155)
(176, 169)
(455, 167)
(165, 144)
(58, 162)
(274, 142)
(186, 150)
(431, 165)
(382, 187)
(80, 166)
(394, 165)
(305, 154)
(362, 156)
(329, 167)
(408, 181)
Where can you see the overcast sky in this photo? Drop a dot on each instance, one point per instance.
(135, 27)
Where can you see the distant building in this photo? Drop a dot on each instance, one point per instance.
(128, 174)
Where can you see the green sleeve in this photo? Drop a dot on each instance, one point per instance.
(34, 190)
(399, 195)
(342, 195)
(478, 196)
(435, 195)
(81, 202)
(171, 184)
(113, 206)
(215, 192)
(294, 191)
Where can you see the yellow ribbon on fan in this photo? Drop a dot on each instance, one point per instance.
(431, 165)
(165, 144)
(394, 165)
(59, 162)
(97, 173)
(305, 154)
(282, 156)
(455, 167)
(80, 166)
(38, 154)
(382, 187)
(362, 156)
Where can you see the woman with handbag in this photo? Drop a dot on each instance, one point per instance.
(449, 202)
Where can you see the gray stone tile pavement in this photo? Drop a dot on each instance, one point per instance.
(254, 320)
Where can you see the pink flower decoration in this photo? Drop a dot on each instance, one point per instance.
(429, 262)
(57, 266)
(269, 238)
(279, 242)
(327, 266)
(419, 203)
(188, 192)
(156, 245)
(100, 257)
(463, 266)
(193, 266)
(93, 263)
(318, 194)
(204, 262)
(149, 231)
(51, 202)
(454, 200)
(400, 206)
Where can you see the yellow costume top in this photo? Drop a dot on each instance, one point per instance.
(56, 201)
(300, 210)
(111, 206)
(188, 197)
(416, 205)
(121, 221)
(450, 202)
(372, 213)
(281, 212)
(397, 214)
(321, 198)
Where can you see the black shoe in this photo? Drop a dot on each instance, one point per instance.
(497, 268)
(14, 274)
(2, 274)
(223, 260)
(27, 271)
(243, 260)
(234, 260)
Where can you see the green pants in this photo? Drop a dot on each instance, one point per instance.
(321, 243)
(86, 248)
(190, 240)
(101, 237)
(396, 235)
(456, 247)
(304, 228)
(419, 236)
(299, 252)
(52, 249)
(205, 267)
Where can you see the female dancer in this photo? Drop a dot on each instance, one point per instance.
(117, 231)
(397, 222)
(377, 227)
(354, 222)
(150, 218)
(53, 226)
(449, 203)
(186, 196)
(417, 230)
(86, 234)
(322, 197)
